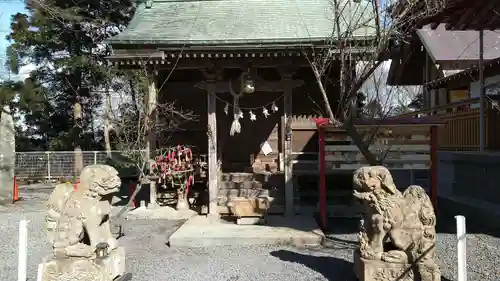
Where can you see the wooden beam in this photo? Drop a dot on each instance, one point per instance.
(434, 25)
(151, 136)
(482, 15)
(461, 20)
(493, 20)
(465, 15)
(191, 63)
(287, 81)
(213, 171)
(227, 59)
(260, 85)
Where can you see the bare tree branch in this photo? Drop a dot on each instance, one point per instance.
(364, 35)
(136, 119)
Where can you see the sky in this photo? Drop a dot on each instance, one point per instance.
(7, 9)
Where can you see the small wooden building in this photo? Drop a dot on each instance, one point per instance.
(202, 54)
(455, 34)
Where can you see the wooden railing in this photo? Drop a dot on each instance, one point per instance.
(401, 144)
(399, 147)
(461, 129)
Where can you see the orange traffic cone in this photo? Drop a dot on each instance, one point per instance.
(75, 186)
(15, 191)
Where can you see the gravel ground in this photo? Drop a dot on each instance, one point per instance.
(149, 259)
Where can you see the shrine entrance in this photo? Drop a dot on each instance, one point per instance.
(250, 125)
(257, 147)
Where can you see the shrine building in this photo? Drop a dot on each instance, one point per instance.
(246, 60)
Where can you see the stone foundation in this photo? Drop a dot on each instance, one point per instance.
(250, 221)
(83, 269)
(370, 270)
(249, 207)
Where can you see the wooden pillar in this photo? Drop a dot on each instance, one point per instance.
(427, 78)
(320, 123)
(434, 168)
(152, 102)
(151, 137)
(213, 171)
(287, 153)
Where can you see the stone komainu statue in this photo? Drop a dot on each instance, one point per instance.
(397, 237)
(77, 224)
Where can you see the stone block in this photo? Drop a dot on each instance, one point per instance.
(249, 207)
(250, 221)
(114, 263)
(376, 270)
(83, 269)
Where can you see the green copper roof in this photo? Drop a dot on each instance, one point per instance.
(207, 22)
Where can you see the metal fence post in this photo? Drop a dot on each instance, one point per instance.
(95, 157)
(48, 165)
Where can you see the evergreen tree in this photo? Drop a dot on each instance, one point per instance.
(63, 39)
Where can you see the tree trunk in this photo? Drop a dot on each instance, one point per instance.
(77, 111)
(346, 125)
(107, 124)
(77, 108)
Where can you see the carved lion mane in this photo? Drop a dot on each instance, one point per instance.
(100, 180)
(370, 179)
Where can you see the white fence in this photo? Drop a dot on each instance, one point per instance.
(39, 165)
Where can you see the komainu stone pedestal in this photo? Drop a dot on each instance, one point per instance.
(376, 270)
(109, 268)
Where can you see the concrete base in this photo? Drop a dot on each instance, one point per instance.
(107, 269)
(201, 231)
(333, 211)
(371, 270)
(250, 221)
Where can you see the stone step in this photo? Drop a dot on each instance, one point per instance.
(333, 211)
(233, 192)
(264, 177)
(225, 196)
(237, 177)
(239, 185)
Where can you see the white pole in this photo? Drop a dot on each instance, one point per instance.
(39, 275)
(461, 248)
(23, 244)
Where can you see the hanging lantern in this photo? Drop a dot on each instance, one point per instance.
(248, 84)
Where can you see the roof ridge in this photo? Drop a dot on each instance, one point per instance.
(224, 21)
